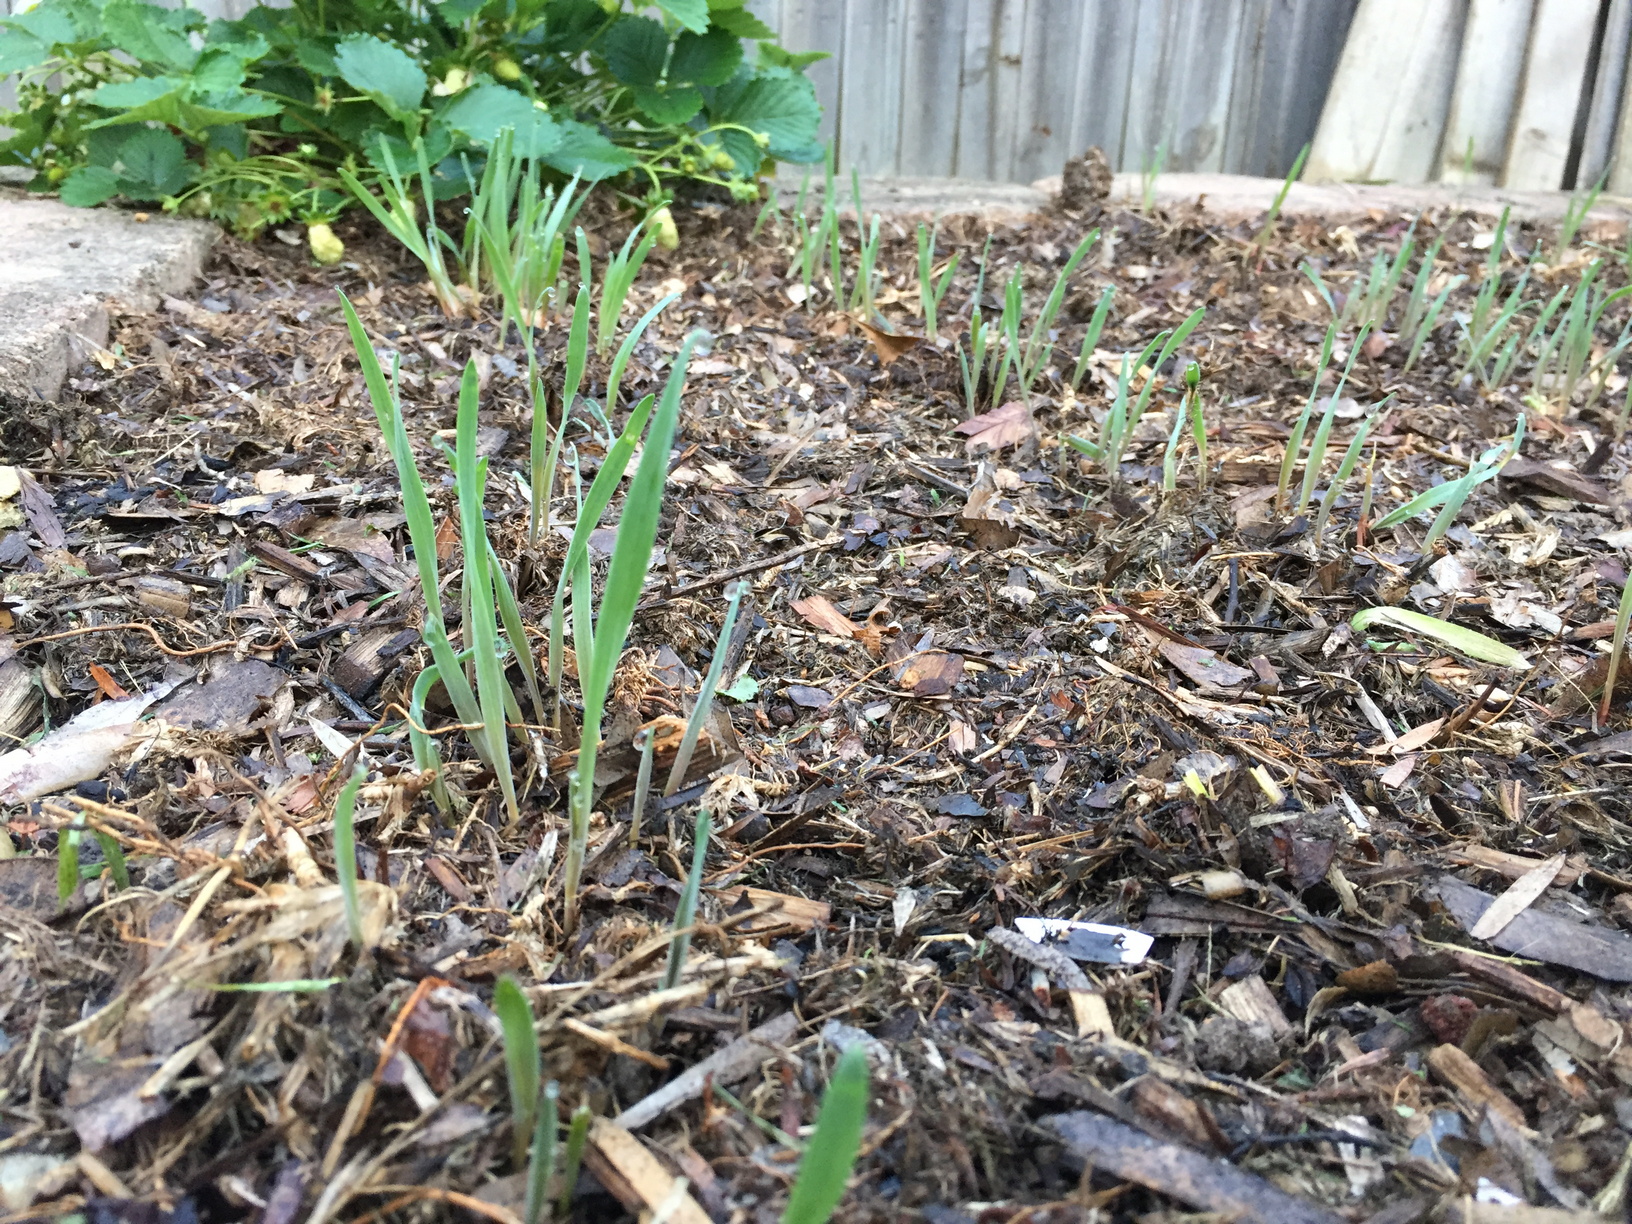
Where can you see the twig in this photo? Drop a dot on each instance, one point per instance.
(752, 567)
(147, 629)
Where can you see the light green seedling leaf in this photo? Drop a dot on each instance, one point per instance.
(383, 71)
(523, 1066)
(831, 1153)
(1458, 638)
(744, 688)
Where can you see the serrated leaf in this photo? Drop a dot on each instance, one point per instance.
(54, 24)
(705, 59)
(635, 50)
(585, 152)
(481, 112)
(773, 56)
(775, 101)
(1462, 640)
(740, 23)
(20, 51)
(153, 164)
(692, 14)
(669, 106)
(89, 186)
(148, 33)
(383, 71)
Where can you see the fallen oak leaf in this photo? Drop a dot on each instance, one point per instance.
(890, 346)
(820, 612)
(1007, 425)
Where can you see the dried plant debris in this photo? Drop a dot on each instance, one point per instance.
(1183, 836)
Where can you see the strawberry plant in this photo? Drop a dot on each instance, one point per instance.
(252, 121)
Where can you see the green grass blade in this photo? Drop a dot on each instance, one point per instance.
(67, 863)
(345, 854)
(481, 628)
(831, 1154)
(522, 1063)
(541, 1163)
(705, 694)
(686, 913)
(577, 1136)
(516, 630)
(614, 378)
(114, 855)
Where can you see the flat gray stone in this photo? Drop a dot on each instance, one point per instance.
(65, 268)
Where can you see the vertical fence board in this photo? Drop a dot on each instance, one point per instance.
(1008, 52)
(1049, 70)
(931, 69)
(1145, 129)
(870, 86)
(1200, 75)
(1598, 142)
(1273, 112)
(1385, 113)
(1555, 65)
(1099, 106)
(972, 154)
(816, 25)
(1488, 69)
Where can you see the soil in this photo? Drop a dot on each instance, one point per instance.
(976, 681)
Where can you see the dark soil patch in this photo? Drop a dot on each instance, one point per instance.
(1028, 729)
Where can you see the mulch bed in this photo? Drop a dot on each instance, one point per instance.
(975, 682)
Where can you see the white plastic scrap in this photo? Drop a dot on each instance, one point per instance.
(1109, 945)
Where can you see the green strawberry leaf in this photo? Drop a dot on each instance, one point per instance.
(154, 165)
(705, 59)
(481, 112)
(636, 50)
(670, 106)
(383, 71)
(585, 152)
(89, 186)
(776, 101)
(692, 14)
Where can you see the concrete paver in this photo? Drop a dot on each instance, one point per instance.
(62, 268)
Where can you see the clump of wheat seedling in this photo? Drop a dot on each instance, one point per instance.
(1040, 344)
(599, 634)
(487, 737)
(397, 216)
(705, 694)
(1453, 494)
(617, 278)
(1148, 176)
(1123, 419)
(932, 292)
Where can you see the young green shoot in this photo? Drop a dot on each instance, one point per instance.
(1323, 432)
(541, 1159)
(830, 1156)
(1261, 242)
(422, 534)
(1617, 650)
(932, 291)
(686, 913)
(1090, 338)
(1040, 344)
(577, 1137)
(1147, 179)
(1344, 470)
(1574, 215)
(480, 596)
(345, 854)
(545, 454)
(522, 1064)
(67, 862)
(1294, 441)
(113, 854)
(600, 640)
(616, 280)
(705, 694)
(1198, 422)
(647, 743)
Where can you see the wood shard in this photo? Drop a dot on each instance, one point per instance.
(636, 1178)
(1202, 1181)
(1249, 1000)
(741, 1058)
(1464, 1075)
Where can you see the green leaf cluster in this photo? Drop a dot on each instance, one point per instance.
(251, 120)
